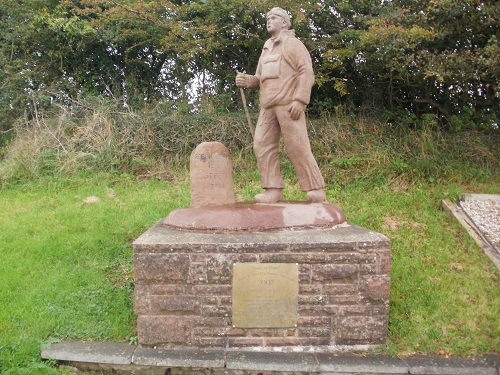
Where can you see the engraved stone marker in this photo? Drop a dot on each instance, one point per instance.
(211, 172)
(265, 295)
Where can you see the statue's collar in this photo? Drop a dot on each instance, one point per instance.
(280, 37)
(284, 34)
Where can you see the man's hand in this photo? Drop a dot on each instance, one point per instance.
(296, 108)
(241, 80)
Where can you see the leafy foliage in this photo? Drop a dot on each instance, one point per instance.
(392, 58)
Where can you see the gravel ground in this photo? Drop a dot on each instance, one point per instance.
(484, 210)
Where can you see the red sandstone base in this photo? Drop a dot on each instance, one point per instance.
(183, 293)
(256, 217)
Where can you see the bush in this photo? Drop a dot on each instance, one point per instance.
(102, 136)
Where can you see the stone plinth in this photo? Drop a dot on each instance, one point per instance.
(248, 216)
(183, 294)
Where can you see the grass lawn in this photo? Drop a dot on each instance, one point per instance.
(66, 263)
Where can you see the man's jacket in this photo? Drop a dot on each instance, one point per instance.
(284, 72)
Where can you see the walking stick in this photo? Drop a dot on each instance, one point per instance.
(244, 100)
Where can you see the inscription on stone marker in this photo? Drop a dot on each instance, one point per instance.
(265, 295)
(211, 172)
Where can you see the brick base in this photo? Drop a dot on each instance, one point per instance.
(183, 293)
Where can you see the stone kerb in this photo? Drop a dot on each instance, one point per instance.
(211, 172)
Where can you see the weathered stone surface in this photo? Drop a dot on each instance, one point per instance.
(170, 289)
(184, 304)
(377, 287)
(256, 217)
(130, 359)
(159, 329)
(353, 330)
(161, 267)
(301, 258)
(271, 361)
(357, 364)
(342, 239)
(94, 352)
(142, 300)
(335, 272)
(314, 321)
(435, 365)
(186, 281)
(211, 172)
(219, 268)
(179, 358)
(197, 272)
(384, 262)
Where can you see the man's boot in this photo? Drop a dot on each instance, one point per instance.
(316, 196)
(270, 195)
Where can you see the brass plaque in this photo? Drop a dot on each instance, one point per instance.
(265, 295)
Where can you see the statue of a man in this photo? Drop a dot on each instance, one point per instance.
(284, 76)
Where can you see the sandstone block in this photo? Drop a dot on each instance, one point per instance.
(239, 342)
(211, 172)
(170, 289)
(197, 273)
(152, 330)
(161, 267)
(211, 342)
(352, 330)
(384, 262)
(335, 272)
(377, 287)
(314, 321)
(182, 304)
(142, 299)
(219, 268)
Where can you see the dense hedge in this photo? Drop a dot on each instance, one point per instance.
(101, 136)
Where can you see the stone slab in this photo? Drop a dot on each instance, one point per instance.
(434, 365)
(256, 217)
(182, 357)
(211, 174)
(260, 361)
(94, 352)
(164, 238)
(493, 360)
(125, 358)
(358, 364)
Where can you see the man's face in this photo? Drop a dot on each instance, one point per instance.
(274, 24)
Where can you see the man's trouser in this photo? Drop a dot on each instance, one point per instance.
(273, 122)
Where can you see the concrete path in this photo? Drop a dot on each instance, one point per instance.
(130, 359)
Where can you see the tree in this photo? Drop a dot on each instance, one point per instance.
(18, 76)
(434, 57)
(394, 58)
